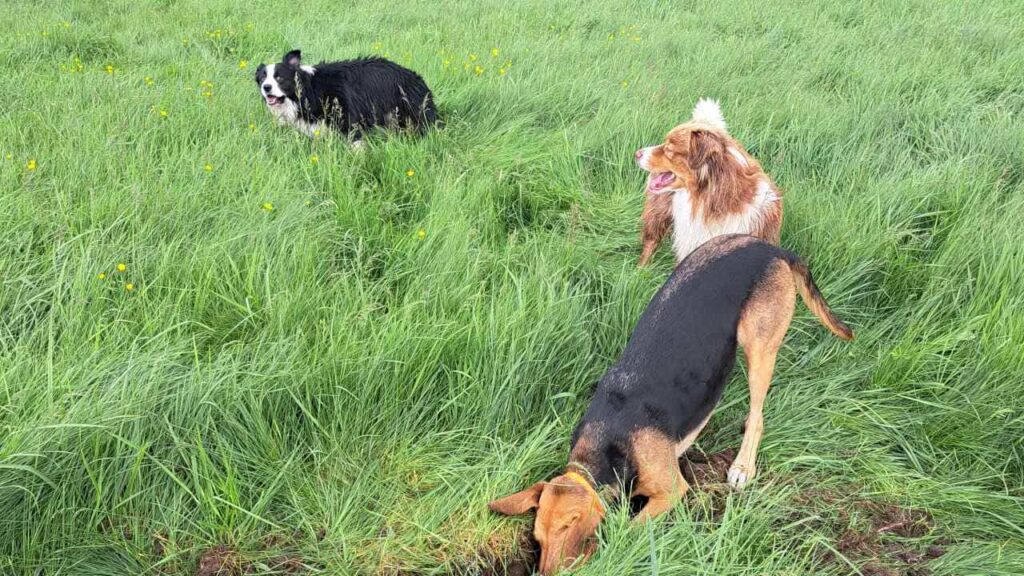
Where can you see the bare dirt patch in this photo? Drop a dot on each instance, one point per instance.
(879, 538)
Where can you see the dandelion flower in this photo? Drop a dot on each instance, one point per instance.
(410, 172)
(163, 113)
(109, 69)
(421, 234)
(121, 267)
(472, 57)
(9, 156)
(316, 132)
(243, 64)
(501, 71)
(252, 126)
(309, 202)
(625, 83)
(494, 52)
(314, 159)
(446, 63)
(248, 26)
(102, 276)
(478, 70)
(31, 164)
(66, 24)
(268, 206)
(208, 167)
(129, 286)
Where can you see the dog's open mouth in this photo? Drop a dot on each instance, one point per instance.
(660, 182)
(275, 100)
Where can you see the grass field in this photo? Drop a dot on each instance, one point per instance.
(330, 360)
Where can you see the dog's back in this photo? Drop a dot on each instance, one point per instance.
(679, 358)
(374, 92)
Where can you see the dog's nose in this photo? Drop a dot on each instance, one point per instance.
(639, 154)
(266, 88)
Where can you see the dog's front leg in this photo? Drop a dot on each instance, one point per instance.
(655, 221)
(658, 476)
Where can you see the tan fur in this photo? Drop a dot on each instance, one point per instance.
(656, 221)
(658, 476)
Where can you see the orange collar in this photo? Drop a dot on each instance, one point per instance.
(577, 478)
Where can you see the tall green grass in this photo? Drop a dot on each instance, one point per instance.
(342, 359)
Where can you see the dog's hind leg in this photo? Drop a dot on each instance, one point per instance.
(762, 328)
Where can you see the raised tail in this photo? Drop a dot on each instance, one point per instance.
(815, 301)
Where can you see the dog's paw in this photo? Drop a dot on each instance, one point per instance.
(358, 145)
(739, 475)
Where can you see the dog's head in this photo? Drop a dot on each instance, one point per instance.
(278, 83)
(568, 513)
(694, 156)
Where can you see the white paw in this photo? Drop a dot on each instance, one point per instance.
(739, 475)
(358, 145)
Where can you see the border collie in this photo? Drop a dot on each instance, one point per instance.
(352, 96)
(702, 184)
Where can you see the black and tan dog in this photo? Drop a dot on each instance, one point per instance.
(651, 405)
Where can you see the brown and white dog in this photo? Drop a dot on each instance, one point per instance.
(703, 184)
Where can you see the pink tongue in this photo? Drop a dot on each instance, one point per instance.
(662, 180)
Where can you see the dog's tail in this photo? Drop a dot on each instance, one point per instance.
(814, 300)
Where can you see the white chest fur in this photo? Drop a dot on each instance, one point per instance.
(690, 230)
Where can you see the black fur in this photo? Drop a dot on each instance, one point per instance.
(356, 95)
(678, 359)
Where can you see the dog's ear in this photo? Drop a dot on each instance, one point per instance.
(720, 178)
(261, 72)
(518, 503)
(706, 155)
(293, 58)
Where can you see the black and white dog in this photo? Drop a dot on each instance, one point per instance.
(352, 96)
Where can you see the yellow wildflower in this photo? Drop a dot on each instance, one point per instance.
(121, 267)
(31, 164)
(268, 206)
(501, 71)
(421, 234)
(316, 132)
(129, 286)
(102, 276)
(494, 52)
(472, 57)
(446, 63)
(208, 167)
(109, 69)
(478, 69)
(243, 64)
(149, 81)
(252, 126)
(625, 83)
(163, 113)
(314, 159)
(410, 172)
